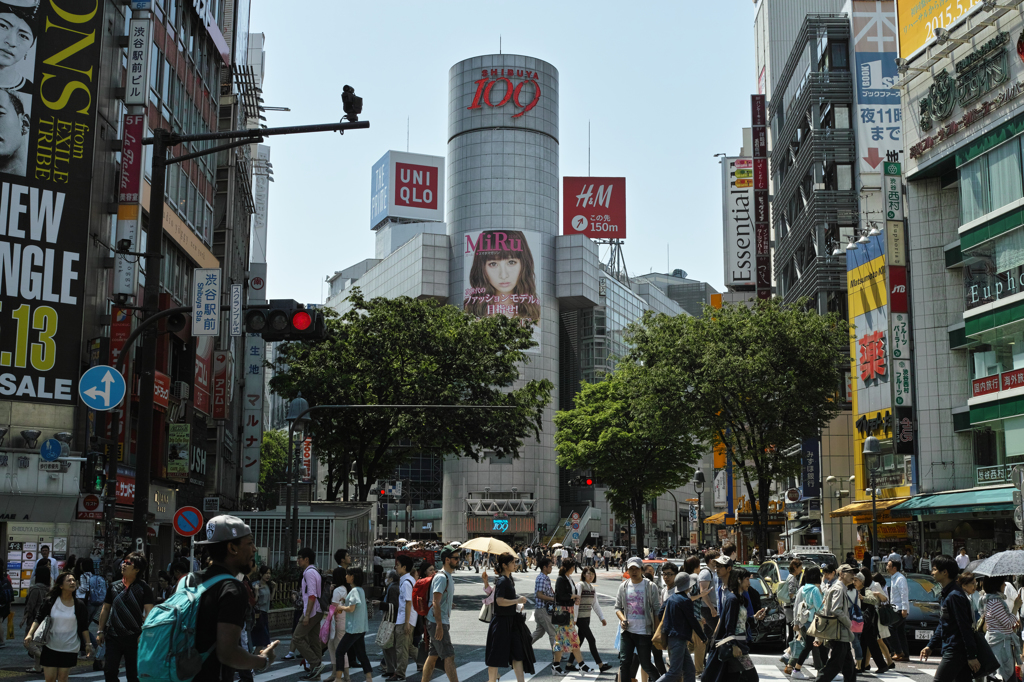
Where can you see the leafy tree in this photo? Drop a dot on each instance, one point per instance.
(756, 378)
(629, 439)
(273, 464)
(404, 351)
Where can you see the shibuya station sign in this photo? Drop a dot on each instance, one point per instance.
(499, 87)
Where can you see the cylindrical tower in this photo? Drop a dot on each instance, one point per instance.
(502, 203)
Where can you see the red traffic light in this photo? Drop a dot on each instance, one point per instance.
(590, 481)
(301, 320)
(382, 493)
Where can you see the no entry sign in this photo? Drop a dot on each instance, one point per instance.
(188, 521)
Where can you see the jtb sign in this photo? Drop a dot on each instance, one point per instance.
(595, 207)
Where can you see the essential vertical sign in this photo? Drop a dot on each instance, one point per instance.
(50, 69)
(738, 221)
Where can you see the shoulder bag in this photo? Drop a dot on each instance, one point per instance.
(487, 610)
(886, 614)
(386, 632)
(826, 627)
(42, 634)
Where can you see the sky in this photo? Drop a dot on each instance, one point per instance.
(664, 86)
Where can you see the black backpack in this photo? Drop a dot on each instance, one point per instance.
(6, 592)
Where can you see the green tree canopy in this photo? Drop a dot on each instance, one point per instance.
(404, 351)
(633, 442)
(758, 379)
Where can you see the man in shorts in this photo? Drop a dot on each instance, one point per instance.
(442, 587)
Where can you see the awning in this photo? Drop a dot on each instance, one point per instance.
(864, 506)
(719, 519)
(961, 501)
(38, 508)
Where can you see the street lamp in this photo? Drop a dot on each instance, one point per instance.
(872, 457)
(296, 419)
(698, 487)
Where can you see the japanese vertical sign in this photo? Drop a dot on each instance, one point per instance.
(252, 409)
(136, 88)
(877, 125)
(762, 228)
(203, 383)
(810, 469)
(223, 379)
(179, 441)
(129, 209)
(307, 461)
(49, 69)
(236, 310)
(206, 302)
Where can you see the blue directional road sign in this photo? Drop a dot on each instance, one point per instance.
(101, 388)
(50, 449)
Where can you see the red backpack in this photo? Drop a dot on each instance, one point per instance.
(421, 596)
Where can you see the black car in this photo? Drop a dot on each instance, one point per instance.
(923, 615)
(771, 630)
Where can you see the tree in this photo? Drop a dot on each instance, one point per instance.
(757, 379)
(630, 440)
(273, 464)
(404, 351)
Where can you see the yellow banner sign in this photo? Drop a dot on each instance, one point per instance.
(918, 20)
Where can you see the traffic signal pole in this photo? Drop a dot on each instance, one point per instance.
(163, 140)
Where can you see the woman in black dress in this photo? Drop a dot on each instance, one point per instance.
(505, 643)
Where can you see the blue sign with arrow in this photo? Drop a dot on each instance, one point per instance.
(101, 388)
(50, 450)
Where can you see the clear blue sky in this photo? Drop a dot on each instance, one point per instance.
(665, 85)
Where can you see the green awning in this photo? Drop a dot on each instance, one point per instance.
(960, 502)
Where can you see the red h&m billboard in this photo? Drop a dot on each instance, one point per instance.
(595, 207)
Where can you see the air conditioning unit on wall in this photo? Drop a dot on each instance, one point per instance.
(179, 389)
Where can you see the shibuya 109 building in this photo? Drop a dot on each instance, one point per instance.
(496, 195)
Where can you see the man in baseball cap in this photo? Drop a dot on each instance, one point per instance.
(221, 617)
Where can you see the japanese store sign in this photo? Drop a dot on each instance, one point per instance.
(46, 174)
(203, 380)
(810, 468)
(877, 114)
(307, 460)
(892, 192)
(206, 302)
(408, 186)
(738, 221)
(129, 208)
(179, 441)
(595, 207)
(500, 276)
(236, 310)
(899, 337)
(902, 378)
(252, 408)
(139, 38)
(223, 370)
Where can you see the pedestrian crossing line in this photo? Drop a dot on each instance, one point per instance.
(410, 673)
(510, 676)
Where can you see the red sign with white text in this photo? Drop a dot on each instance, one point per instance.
(125, 485)
(595, 207)
(161, 391)
(120, 330)
(307, 459)
(898, 289)
(415, 186)
(204, 370)
(985, 385)
(131, 159)
(222, 379)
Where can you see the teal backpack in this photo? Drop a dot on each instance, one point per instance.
(167, 645)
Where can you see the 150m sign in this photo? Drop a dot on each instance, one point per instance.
(48, 99)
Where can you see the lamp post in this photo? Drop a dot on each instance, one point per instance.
(677, 512)
(698, 487)
(872, 455)
(296, 419)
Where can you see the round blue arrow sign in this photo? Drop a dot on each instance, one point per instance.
(101, 388)
(50, 450)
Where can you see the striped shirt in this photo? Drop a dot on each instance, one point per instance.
(127, 608)
(588, 600)
(997, 615)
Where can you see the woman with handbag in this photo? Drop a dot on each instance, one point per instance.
(730, 659)
(388, 610)
(506, 645)
(337, 627)
(1001, 627)
(62, 623)
(33, 602)
(869, 633)
(808, 603)
(878, 587)
(566, 639)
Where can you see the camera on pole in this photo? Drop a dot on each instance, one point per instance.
(285, 320)
(352, 103)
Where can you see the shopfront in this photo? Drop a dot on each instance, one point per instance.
(979, 519)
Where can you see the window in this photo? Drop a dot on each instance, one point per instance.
(991, 181)
(974, 190)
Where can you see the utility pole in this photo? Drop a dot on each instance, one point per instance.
(162, 141)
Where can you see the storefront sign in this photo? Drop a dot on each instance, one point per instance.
(738, 221)
(877, 124)
(408, 186)
(125, 485)
(90, 508)
(898, 290)
(252, 408)
(595, 207)
(197, 460)
(307, 459)
(869, 426)
(893, 192)
(902, 380)
(45, 192)
(904, 437)
(161, 391)
(992, 475)
(137, 89)
(871, 363)
(485, 524)
(120, 330)
(895, 243)
(900, 335)
(810, 466)
(892, 530)
(204, 374)
(496, 89)
(890, 480)
(985, 385)
(223, 372)
(969, 118)
(977, 73)
(178, 443)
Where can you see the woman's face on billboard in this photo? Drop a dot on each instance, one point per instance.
(503, 274)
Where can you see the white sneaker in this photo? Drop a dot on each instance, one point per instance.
(799, 675)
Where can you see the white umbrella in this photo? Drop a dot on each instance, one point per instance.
(401, 541)
(556, 545)
(1010, 562)
(455, 543)
(488, 546)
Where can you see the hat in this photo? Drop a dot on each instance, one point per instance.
(634, 561)
(846, 568)
(449, 551)
(224, 528)
(682, 583)
(723, 560)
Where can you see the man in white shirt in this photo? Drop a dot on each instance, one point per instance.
(899, 597)
(894, 555)
(588, 556)
(405, 623)
(962, 559)
(44, 556)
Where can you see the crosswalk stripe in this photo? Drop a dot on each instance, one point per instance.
(511, 675)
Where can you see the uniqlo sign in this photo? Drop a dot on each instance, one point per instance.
(595, 207)
(415, 186)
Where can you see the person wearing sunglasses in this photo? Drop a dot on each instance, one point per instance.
(125, 608)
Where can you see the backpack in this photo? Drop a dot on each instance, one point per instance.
(326, 592)
(421, 596)
(167, 645)
(97, 589)
(6, 592)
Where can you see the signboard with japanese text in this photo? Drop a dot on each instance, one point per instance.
(136, 91)
(899, 335)
(197, 456)
(918, 20)
(223, 375)
(252, 408)
(408, 186)
(904, 433)
(892, 192)
(46, 175)
(306, 453)
(810, 468)
(877, 115)
(895, 243)
(161, 391)
(125, 485)
(738, 221)
(595, 207)
(120, 329)
(204, 373)
(179, 442)
(129, 195)
(236, 310)
(902, 378)
(261, 199)
(206, 289)
(500, 276)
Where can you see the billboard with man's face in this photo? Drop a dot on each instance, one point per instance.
(49, 63)
(501, 276)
